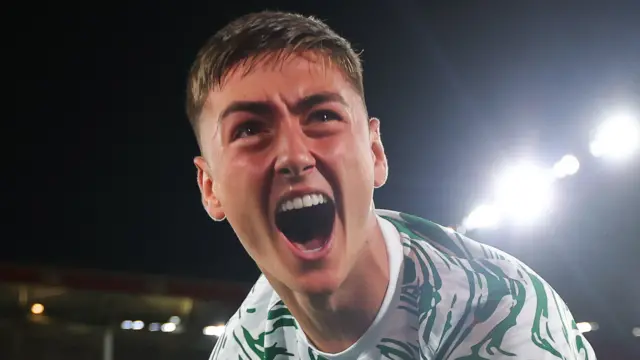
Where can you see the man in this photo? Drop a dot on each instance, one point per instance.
(291, 159)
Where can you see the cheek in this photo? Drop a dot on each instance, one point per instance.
(240, 182)
(353, 158)
(357, 158)
(241, 191)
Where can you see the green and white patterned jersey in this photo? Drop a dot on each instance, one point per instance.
(449, 297)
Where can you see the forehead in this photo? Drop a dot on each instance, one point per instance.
(280, 79)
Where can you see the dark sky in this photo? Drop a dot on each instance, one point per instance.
(105, 176)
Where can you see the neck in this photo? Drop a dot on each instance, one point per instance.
(333, 322)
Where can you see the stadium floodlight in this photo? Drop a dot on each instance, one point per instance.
(168, 327)
(568, 165)
(525, 192)
(585, 327)
(138, 325)
(617, 138)
(482, 217)
(213, 330)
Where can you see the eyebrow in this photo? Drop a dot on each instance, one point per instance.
(263, 108)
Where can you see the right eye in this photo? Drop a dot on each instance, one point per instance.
(247, 129)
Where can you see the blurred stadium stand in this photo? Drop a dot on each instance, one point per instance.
(84, 312)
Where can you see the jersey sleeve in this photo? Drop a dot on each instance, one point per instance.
(224, 349)
(243, 335)
(532, 322)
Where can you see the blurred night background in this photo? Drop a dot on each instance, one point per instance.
(106, 250)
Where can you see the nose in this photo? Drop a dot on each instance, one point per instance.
(294, 159)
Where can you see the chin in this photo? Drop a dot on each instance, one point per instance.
(317, 283)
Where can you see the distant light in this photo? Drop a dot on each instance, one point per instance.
(525, 192)
(154, 327)
(37, 309)
(168, 327)
(483, 216)
(138, 325)
(636, 332)
(617, 138)
(174, 320)
(585, 327)
(567, 166)
(214, 330)
(126, 325)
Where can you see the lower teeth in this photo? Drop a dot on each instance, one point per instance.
(311, 251)
(311, 246)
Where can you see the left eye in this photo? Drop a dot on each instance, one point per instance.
(324, 116)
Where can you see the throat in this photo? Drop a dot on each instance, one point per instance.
(338, 329)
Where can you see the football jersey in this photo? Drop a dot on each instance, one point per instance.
(448, 297)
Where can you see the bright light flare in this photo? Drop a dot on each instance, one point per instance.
(138, 325)
(617, 138)
(126, 325)
(585, 327)
(567, 166)
(37, 309)
(482, 217)
(525, 192)
(214, 330)
(168, 327)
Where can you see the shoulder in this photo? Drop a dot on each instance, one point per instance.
(477, 299)
(436, 248)
(250, 317)
(426, 234)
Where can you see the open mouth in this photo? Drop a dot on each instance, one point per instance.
(307, 221)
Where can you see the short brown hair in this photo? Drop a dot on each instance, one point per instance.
(251, 36)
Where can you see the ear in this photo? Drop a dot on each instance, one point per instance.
(380, 165)
(207, 185)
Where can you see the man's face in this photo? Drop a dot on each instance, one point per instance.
(291, 160)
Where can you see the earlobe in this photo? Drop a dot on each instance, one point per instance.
(208, 190)
(377, 152)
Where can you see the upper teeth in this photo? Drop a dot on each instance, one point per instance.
(303, 201)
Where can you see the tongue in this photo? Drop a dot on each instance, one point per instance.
(311, 245)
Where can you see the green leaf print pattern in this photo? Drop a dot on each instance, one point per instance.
(398, 350)
(483, 274)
